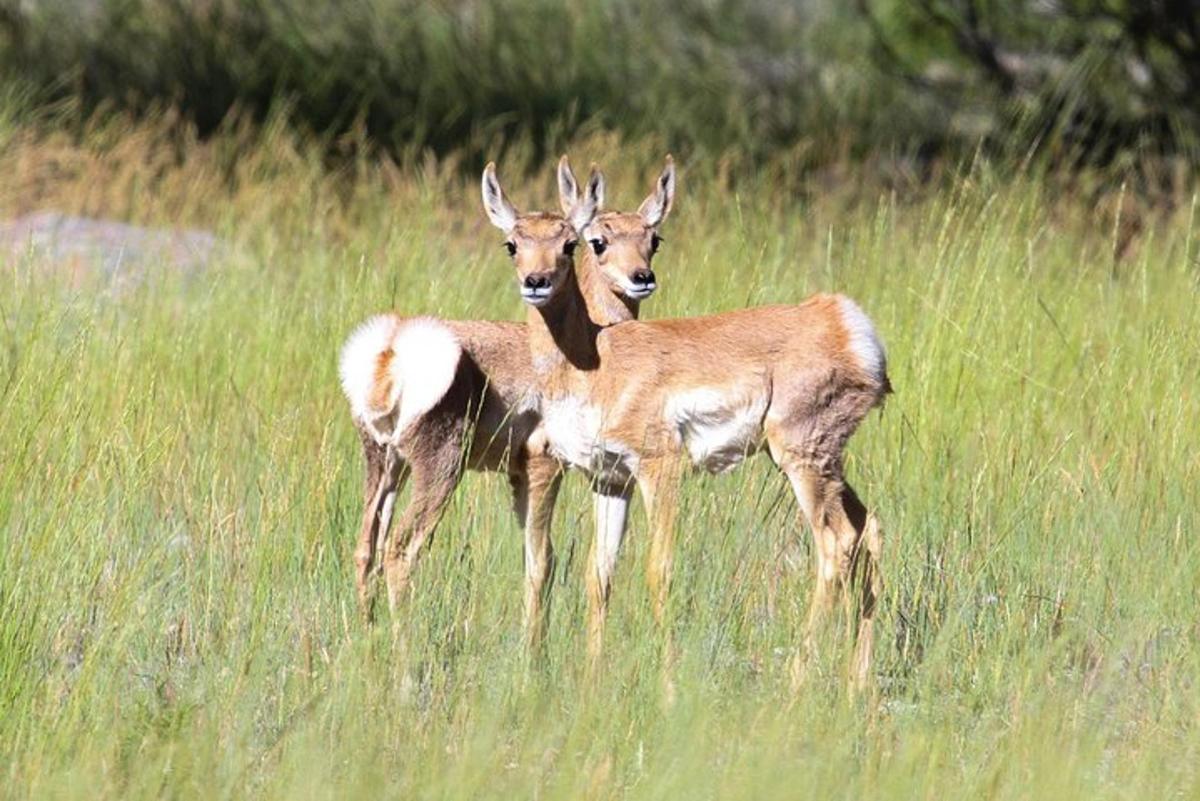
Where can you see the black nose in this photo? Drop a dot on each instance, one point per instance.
(643, 277)
(536, 282)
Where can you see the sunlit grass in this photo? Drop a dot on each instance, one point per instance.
(179, 490)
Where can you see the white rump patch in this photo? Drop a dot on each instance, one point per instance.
(425, 356)
(864, 342)
(719, 428)
(360, 354)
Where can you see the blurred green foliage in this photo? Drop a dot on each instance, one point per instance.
(449, 76)
(814, 81)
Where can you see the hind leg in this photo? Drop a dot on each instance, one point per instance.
(385, 474)
(870, 587)
(374, 455)
(858, 546)
(658, 481)
(847, 544)
(434, 475)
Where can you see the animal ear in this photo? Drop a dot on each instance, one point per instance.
(499, 210)
(568, 187)
(657, 205)
(585, 209)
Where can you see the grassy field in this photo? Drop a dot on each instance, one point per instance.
(180, 487)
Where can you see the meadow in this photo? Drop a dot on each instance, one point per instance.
(180, 488)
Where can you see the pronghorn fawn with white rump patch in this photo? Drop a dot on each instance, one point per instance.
(636, 402)
(430, 397)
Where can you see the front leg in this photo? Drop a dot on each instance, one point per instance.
(535, 490)
(612, 514)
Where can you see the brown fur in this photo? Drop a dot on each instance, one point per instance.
(487, 421)
(791, 364)
(382, 389)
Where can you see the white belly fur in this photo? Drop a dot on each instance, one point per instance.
(573, 432)
(718, 428)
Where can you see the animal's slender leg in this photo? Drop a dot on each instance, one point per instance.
(611, 505)
(858, 544)
(535, 490)
(867, 572)
(385, 516)
(848, 543)
(384, 475)
(433, 482)
(659, 484)
(809, 490)
(373, 457)
(364, 553)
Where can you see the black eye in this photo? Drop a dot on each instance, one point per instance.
(569, 248)
(655, 241)
(512, 248)
(598, 246)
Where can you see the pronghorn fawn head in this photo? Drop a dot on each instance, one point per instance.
(623, 244)
(542, 244)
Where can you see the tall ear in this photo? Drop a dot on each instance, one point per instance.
(568, 187)
(502, 213)
(586, 207)
(657, 205)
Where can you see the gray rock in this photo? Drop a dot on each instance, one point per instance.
(118, 251)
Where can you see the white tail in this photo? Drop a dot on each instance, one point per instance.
(394, 370)
(863, 340)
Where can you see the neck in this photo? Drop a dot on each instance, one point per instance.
(604, 306)
(562, 332)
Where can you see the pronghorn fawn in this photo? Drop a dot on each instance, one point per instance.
(636, 402)
(431, 397)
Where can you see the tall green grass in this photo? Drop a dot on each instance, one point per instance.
(179, 488)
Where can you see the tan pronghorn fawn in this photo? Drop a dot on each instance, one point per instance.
(430, 397)
(637, 401)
